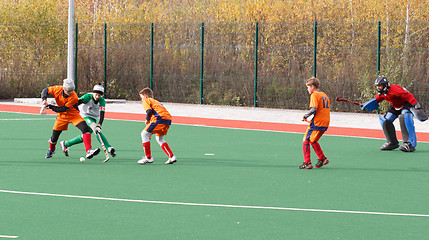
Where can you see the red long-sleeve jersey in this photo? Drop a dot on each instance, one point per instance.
(397, 96)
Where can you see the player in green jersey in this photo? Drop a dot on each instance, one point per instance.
(92, 107)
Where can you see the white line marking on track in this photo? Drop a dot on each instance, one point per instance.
(216, 205)
(25, 119)
(6, 236)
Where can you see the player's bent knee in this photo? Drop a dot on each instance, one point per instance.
(160, 140)
(145, 136)
(93, 125)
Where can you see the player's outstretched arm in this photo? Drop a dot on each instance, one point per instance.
(57, 109)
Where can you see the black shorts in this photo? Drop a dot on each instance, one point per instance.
(395, 112)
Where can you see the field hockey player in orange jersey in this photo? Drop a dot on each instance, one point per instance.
(67, 112)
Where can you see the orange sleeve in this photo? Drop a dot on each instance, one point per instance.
(146, 104)
(54, 90)
(314, 101)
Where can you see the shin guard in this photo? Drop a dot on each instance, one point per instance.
(167, 149)
(147, 152)
(306, 151)
(86, 137)
(52, 145)
(407, 128)
(318, 150)
(388, 130)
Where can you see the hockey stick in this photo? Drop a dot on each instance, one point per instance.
(42, 110)
(104, 148)
(339, 99)
(306, 120)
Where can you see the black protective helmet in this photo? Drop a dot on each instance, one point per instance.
(382, 81)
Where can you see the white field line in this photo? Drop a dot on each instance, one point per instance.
(248, 129)
(6, 236)
(262, 130)
(25, 119)
(215, 205)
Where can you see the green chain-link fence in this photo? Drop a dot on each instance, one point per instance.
(216, 63)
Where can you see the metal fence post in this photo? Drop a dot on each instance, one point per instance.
(75, 57)
(202, 65)
(315, 51)
(378, 49)
(255, 97)
(105, 60)
(151, 57)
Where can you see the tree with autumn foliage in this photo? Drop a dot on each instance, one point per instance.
(34, 37)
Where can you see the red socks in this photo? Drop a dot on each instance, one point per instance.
(87, 141)
(167, 150)
(52, 145)
(306, 151)
(318, 150)
(164, 147)
(147, 152)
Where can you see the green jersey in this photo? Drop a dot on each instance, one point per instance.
(91, 108)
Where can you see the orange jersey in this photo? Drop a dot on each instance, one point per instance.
(70, 101)
(160, 113)
(320, 100)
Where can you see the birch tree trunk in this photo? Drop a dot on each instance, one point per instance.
(407, 41)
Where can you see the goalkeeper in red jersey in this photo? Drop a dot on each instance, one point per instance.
(403, 105)
(319, 107)
(158, 121)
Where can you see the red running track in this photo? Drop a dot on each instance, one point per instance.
(237, 124)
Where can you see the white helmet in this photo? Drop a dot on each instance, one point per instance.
(98, 89)
(68, 85)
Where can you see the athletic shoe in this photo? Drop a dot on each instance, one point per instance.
(111, 150)
(145, 160)
(306, 166)
(407, 147)
(50, 153)
(389, 146)
(321, 163)
(64, 148)
(171, 160)
(92, 152)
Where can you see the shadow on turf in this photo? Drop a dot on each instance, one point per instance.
(239, 163)
(200, 161)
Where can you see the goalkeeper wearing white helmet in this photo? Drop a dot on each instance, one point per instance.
(92, 106)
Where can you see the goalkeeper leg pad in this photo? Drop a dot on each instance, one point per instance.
(390, 134)
(407, 128)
